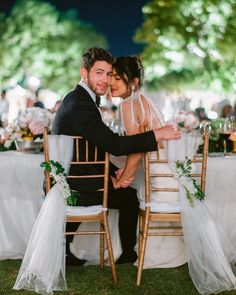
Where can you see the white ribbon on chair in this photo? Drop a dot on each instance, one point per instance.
(43, 266)
(211, 256)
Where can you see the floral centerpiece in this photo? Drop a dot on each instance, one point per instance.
(28, 126)
(185, 121)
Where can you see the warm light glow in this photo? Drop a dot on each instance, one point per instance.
(33, 82)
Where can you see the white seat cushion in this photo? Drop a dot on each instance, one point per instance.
(170, 207)
(81, 210)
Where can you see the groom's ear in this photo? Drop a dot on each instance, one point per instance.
(83, 73)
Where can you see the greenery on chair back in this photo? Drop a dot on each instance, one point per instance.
(58, 173)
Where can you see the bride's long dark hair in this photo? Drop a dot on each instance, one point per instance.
(128, 68)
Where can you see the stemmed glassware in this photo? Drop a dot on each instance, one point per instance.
(225, 130)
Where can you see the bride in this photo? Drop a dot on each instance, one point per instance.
(210, 255)
(137, 113)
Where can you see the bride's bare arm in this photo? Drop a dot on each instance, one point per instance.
(137, 116)
(126, 174)
(126, 177)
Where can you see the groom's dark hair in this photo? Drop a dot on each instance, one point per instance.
(96, 54)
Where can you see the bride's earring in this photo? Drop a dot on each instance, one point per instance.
(132, 89)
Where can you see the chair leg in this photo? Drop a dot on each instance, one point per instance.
(101, 246)
(109, 247)
(143, 247)
(140, 233)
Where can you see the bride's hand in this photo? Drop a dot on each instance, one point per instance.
(124, 184)
(166, 132)
(127, 182)
(115, 182)
(119, 173)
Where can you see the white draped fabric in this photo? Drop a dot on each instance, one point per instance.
(21, 197)
(211, 256)
(87, 247)
(221, 192)
(43, 266)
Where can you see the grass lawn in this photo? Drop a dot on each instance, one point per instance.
(91, 280)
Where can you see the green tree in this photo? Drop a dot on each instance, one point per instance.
(38, 40)
(188, 41)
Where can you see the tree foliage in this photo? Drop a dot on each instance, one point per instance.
(38, 40)
(188, 41)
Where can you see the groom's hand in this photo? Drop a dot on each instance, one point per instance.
(166, 132)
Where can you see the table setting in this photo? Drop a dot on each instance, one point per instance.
(21, 178)
(25, 133)
(222, 138)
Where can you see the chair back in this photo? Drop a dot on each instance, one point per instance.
(86, 165)
(86, 161)
(160, 184)
(167, 176)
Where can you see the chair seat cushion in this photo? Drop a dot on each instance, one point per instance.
(82, 210)
(170, 207)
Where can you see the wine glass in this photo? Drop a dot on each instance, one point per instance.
(225, 131)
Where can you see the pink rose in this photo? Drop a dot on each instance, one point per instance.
(36, 127)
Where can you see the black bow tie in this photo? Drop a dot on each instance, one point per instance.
(98, 100)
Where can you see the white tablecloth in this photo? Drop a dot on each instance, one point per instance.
(221, 193)
(21, 196)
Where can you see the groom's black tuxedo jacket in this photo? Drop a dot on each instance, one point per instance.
(78, 115)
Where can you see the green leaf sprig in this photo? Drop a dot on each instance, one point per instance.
(192, 188)
(59, 176)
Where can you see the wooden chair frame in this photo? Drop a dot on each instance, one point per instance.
(146, 215)
(100, 217)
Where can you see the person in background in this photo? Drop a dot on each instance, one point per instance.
(56, 106)
(201, 114)
(227, 111)
(4, 106)
(31, 103)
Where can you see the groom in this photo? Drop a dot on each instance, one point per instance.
(79, 115)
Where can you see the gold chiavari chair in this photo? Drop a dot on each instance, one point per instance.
(88, 155)
(147, 216)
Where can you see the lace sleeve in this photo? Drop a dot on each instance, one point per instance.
(138, 112)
